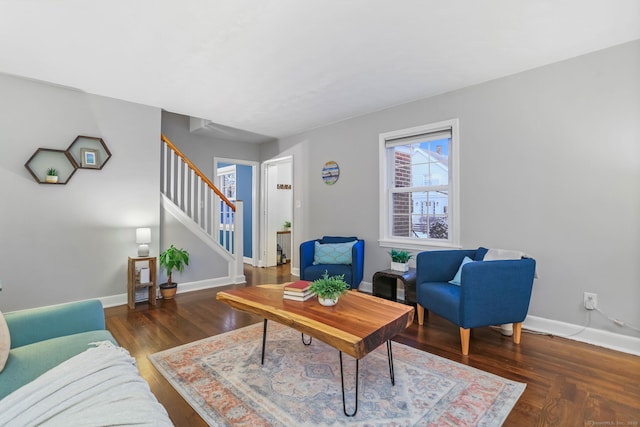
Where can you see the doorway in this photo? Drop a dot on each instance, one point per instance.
(277, 191)
(238, 180)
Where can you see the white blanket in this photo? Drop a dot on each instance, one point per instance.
(98, 387)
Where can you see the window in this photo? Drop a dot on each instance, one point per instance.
(418, 186)
(227, 181)
(227, 185)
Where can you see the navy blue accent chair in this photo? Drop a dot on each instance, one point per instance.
(352, 273)
(490, 293)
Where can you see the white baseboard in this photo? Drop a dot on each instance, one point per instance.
(121, 299)
(366, 287)
(205, 284)
(114, 300)
(611, 340)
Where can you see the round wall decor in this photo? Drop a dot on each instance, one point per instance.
(330, 173)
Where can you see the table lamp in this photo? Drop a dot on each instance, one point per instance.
(143, 238)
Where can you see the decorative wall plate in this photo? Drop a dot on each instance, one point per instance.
(330, 173)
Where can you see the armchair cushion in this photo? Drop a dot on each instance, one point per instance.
(333, 253)
(314, 272)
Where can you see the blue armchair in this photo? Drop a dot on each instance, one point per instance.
(490, 292)
(352, 269)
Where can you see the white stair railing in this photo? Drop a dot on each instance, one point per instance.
(195, 195)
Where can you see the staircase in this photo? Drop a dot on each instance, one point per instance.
(198, 204)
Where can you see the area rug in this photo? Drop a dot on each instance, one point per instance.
(222, 379)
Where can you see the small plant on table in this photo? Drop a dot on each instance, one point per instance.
(399, 260)
(328, 289)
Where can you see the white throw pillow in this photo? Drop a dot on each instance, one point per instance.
(5, 342)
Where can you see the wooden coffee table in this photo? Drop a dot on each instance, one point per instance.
(356, 325)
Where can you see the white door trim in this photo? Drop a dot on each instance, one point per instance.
(255, 235)
(264, 204)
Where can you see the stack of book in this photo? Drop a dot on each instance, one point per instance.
(298, 291)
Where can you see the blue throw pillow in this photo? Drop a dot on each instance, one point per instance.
(332, 253)
(458, 277)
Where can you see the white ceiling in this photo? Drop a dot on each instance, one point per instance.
(281, 67)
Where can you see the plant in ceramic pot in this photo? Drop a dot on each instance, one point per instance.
(400, 260)
(52, 176)
(328, 289)
(170, 260)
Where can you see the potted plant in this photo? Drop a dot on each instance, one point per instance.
(52, 176)
(328, 289)
(287, 225)
(172, 259)
(400, 260)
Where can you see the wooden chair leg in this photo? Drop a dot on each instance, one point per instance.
(517, 331)
(420, 310)
(465, 335)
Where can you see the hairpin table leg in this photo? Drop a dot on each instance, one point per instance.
(344, 405)
(390, 357)
(264, 339)
(306, 343)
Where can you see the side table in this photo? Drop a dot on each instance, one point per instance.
(385, 285)
(133, 281)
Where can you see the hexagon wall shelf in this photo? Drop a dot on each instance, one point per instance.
(85, 152)
(45, 158)
(89, 152)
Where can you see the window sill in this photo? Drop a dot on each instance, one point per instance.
(416, 246)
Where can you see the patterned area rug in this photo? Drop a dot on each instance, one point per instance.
(222, 379)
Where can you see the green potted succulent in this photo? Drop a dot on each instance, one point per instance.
(170, 260)
(328, 289)
(400, 260)
(52, 176)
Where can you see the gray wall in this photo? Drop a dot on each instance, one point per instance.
(204, 263)
(201, 149)
(550, 165)
(62, 243)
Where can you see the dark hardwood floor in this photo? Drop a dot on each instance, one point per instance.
(568, 383)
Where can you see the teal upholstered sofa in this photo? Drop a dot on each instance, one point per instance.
(42, 338)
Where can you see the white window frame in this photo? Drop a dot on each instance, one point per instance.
(386, 182)
(220, 173)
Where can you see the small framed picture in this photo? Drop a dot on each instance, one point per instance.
(89, 158)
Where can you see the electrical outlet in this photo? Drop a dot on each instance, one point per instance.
(590, 300)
